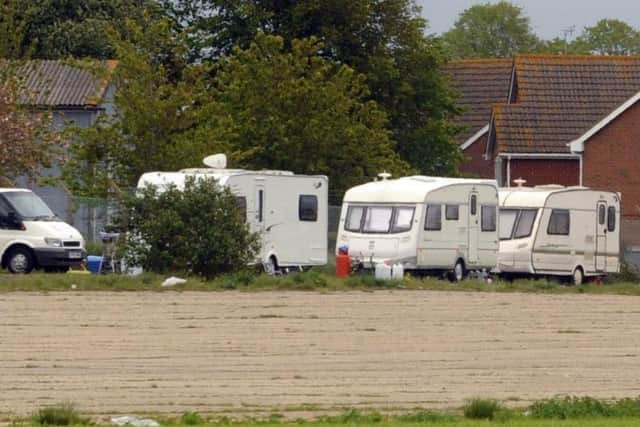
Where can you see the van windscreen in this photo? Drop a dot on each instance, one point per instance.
(29, 206)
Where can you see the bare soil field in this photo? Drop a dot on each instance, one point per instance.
(310, 353)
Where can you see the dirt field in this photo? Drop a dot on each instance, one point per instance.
(306, 353)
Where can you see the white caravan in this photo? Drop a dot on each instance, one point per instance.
(424, 223)
(288, 211)
(556, 230)
(31, 236)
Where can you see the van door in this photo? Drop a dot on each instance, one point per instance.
(473, 228)
(259, 221)
(601, 237)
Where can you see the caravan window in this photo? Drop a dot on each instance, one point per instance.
(403, 219)
(488, 218)
(508, 219)
(308, 208)
(354, 218)
(601, 214)
(474, 204)
(559, 223)
(451, 212)
(525, 223)
(433, 221)
(611, 218)
(516, 223)
(377, 219)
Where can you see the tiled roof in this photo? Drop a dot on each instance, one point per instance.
(480, 84)
(559, 98)
(56, 84)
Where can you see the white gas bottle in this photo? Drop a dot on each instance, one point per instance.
(397, 273)
(383, 271)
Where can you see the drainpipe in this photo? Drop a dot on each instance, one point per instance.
(581, 169)
(509, 171)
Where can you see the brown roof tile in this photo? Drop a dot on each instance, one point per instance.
(559, 98)
(480, 84)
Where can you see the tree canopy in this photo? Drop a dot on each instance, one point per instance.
(491, 30)
(609, 37)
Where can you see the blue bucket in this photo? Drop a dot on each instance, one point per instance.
(93, 263)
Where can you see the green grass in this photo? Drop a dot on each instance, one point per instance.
(321, 279)
(63, 414)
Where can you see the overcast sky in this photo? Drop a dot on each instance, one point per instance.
(549, 18)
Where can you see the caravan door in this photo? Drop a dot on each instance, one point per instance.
(260, 199)
(601, 237)
(473, 228)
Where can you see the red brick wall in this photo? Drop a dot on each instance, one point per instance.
(612, 160)
(474, 164)
(544, 171)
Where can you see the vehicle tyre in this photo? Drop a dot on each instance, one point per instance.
(458, 274)
(578, 276)
(271, 266)
(20, 261)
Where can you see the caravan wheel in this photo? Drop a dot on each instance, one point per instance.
(578, 276)
(271, 266)
(458, 274)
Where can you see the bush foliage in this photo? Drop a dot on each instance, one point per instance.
(197, 230)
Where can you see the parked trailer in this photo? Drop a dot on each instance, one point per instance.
(288, 211)
(560, 231)
(425, 223)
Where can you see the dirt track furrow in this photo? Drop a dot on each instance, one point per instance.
(295, 352)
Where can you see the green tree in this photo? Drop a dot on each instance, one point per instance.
(167, 118)
(610, 37)
(11, 30)
(383, 40)
(293, 109)
(164, 235)
(488, 30)
(54, 29)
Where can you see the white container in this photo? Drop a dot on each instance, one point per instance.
(397, 273)
(383, 271)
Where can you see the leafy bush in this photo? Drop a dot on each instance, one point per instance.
(481, 409)
(191, 419)
(579, 407)
(63, 414)
(198, 230)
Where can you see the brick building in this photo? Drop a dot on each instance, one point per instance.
(570, 120)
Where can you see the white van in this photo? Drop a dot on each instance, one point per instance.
(288, 211)
(31, 236)
(424, 223)
(561, 231)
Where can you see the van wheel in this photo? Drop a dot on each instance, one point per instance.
(458, 274)
(20, 261)
(271, 266)
(578, 276)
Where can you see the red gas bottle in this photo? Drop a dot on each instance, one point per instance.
(343, 262)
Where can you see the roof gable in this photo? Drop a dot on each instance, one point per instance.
(480, 83)
(556, 99)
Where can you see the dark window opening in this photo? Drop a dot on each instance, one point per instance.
(559, 223)
(260, 204)
(611, 218)
(474, 204)
(308, 208)
(488, 218)
(451, 212)
(433, 220)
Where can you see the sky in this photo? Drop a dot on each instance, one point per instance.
(549, 18)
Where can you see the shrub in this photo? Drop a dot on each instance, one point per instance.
(62, 414)
(481, 409)
(198, 230)
(191, 419)
(580, 407)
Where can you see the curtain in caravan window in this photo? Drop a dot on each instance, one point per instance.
(488, 219)
(403, 219)
(354, 218)
(433, 221)
(507, 221)
(559, 223)
(377, 219)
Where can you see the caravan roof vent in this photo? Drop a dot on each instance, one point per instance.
(215, 161)
(520, 182)
(384, 175)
